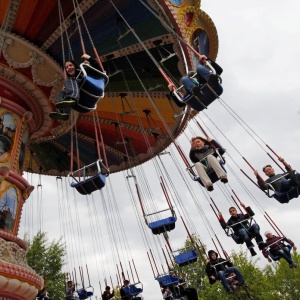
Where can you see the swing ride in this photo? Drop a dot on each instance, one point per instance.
(123, 118)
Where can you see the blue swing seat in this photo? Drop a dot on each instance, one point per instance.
(186, 258)
(209, 97)
(285, 197)
(163, 225)
(131, 290)
(84, 294)
(91, 83)
(89, 184)
(167, 280)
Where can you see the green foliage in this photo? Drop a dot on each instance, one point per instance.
(47, 260)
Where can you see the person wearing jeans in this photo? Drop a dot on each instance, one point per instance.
(220, 269)
(277, 248)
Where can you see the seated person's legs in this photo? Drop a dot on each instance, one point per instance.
(285, 254)
(204, 75)
(222, 276)
(192, 87)
(294, 178)
(188, 83)
(62, 114)
(201, 170)
(285, 185)
(236, 270)
(254, 233)
(244, 235)
(215, 165)
(70, 95)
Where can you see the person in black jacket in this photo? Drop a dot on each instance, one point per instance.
(107, 294)
(280, 182)
(220, 269)
(203, 155)
(179, 290)
(69, 96)
(244, 232)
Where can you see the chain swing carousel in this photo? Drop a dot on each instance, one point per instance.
(31, 77)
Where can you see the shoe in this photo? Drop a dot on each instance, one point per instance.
(261, 246)
(229, 291)
(224, 179)
(209, 186)
(293, 265)
(252, 251)
(66, 102)
(197, 93)
(56, 115)
(212, 80)
(242, 284)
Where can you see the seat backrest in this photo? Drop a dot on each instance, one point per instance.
(186, 258)
(167, 280)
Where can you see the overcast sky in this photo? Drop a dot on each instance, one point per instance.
(259, 51)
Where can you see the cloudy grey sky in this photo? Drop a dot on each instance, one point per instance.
(259, 50)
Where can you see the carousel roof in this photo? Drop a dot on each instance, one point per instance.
(134, 126)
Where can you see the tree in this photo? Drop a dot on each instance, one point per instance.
(46, 258)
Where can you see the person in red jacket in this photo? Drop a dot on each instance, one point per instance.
(277, 247)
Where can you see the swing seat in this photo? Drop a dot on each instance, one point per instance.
(186, 258)
(163, 225)
(277, 257)
(134, 291)
(89, 184)
(91, 83)
(209, 96)
(167, 280)
(285, 197)
(84, 294)
(131, 290)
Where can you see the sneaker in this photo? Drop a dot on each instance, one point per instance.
(224, 179)
(197, 93)
(262, 245)
(213, 80)
(252, 251)
(67, 102)
(209, 186)
(56, 115)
